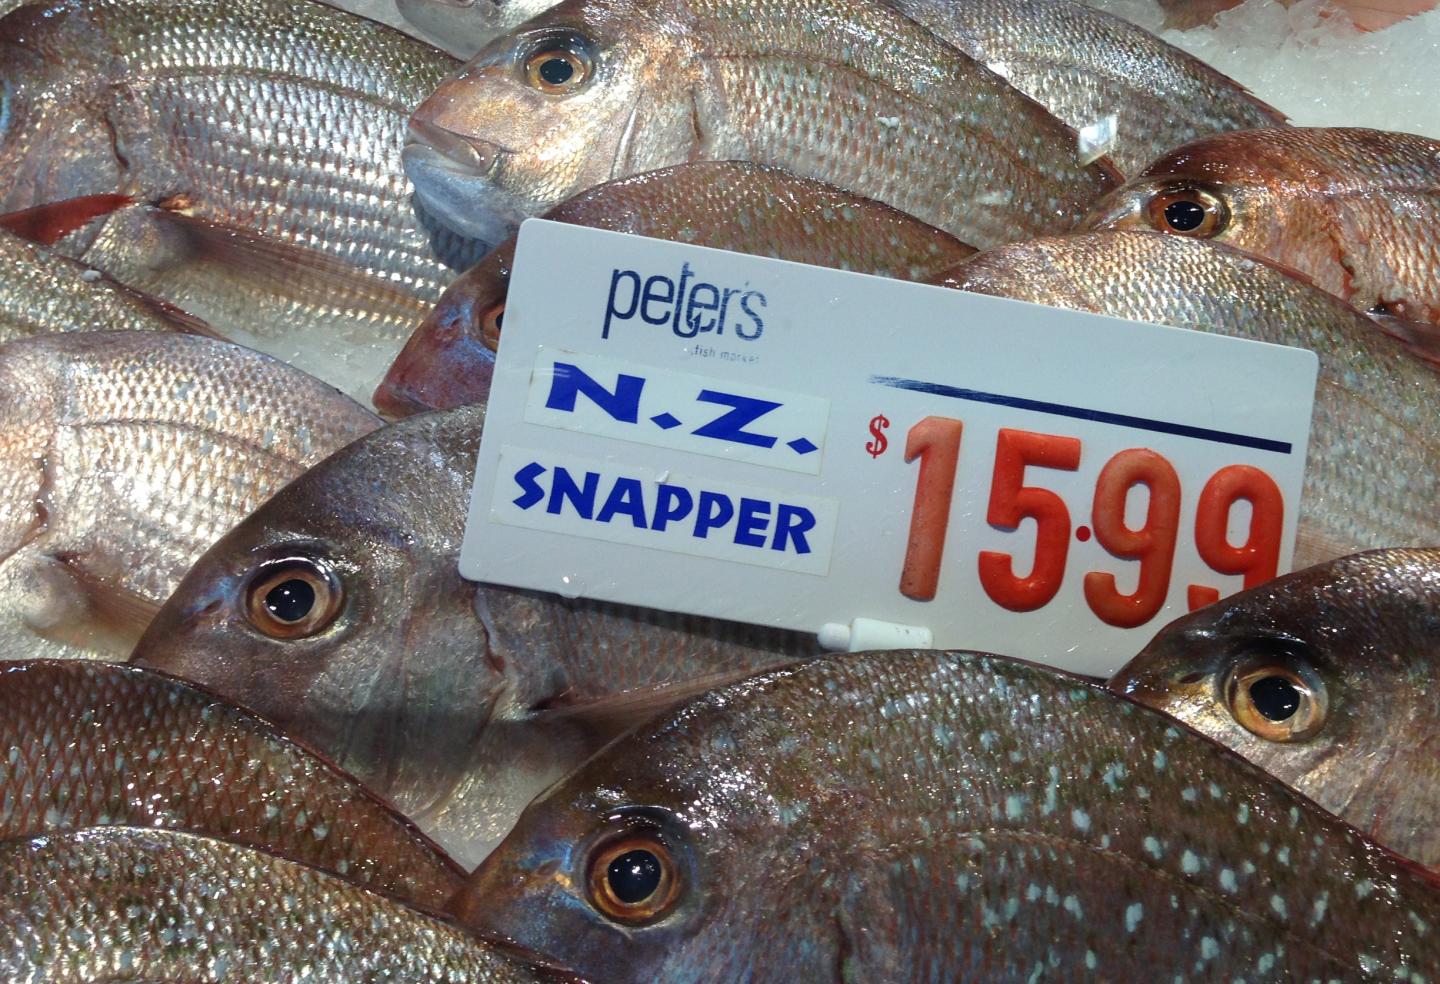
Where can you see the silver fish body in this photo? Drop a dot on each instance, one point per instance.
(283, 117)
(123, 455)
(456, 701)
(1126, 92)
(463, 27)
(118, 903)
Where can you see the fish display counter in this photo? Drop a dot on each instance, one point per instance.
(263, 298)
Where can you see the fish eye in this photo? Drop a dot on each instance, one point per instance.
(559, 65)
(1189, 212)
(490, 324)
(293, 598)
(633, 879)
(1280, 698)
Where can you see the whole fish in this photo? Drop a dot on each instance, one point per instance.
(298, 304)
(723, 204)
(1354, 209)
(42, 291)
(848, 92)
(943, 816)
(456, 701)
(282, 117)
(1373, 469)
(120, 903)
(1127, 93)
(1328, 678)
(96, 744)
(463, 27)
(123, 455)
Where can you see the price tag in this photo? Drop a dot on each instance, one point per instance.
(877, 462)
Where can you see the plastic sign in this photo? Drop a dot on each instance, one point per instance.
(877, 462)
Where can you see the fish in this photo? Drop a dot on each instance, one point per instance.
(300, 305)
(463, 27)
(123, 903)
(1374, 400)
(455, 701)
(730, 205)
(123, 455)
(850, 93)
(1353, 209)
(285, 118)
(99, 744)
(1327, 680)
(45, 292)
(1127, 93)
(931, 815)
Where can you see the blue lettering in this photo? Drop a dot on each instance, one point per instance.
(565, 488)
(653, 295)
(610, 309)
(715, 512)
(793, 522)
(570, 380)
(728, 426)
(685, 274)
(531, 491)
(745, 306)
(750, 527)
(696, 306)
(626, 497)
(671, 503)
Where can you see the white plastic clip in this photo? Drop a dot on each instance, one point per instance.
(865, 634)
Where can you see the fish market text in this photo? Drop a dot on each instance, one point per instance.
(699, 305)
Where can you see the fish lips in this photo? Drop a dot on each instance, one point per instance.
(453, 185)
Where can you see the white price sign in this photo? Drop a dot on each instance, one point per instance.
(750, 439)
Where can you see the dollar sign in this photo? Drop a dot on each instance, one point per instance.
(877, 424)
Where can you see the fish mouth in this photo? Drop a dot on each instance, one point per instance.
(454, 181)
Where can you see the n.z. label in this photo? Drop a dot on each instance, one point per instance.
(592, 394)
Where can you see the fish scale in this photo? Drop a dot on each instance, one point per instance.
(132, 904)
(285, 117)
(119, 745)
(124, 455)
(953, 816)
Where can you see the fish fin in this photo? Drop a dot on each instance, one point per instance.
(1420, 337)
(308, 275)
(85, 610)
(615, 714)
(48, 224)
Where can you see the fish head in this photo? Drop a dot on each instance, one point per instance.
(336, 610)
(548, 110)
(56, 136)
(450, 358)
(1327, 669)
(673, 847)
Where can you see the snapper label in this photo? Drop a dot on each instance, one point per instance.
(574, 496)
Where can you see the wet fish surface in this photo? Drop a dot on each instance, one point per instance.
(98, 744)
(118, 903)
(458, 702)
(851, 93)
(123, 455)
(1126, 92)
(996, 821)
(298, 304)
(730, 205)
(282, 117)
(1327, 678)
(1356, 210)
(45, 292)
(1373, 466)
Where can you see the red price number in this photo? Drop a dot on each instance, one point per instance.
(935, 442)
